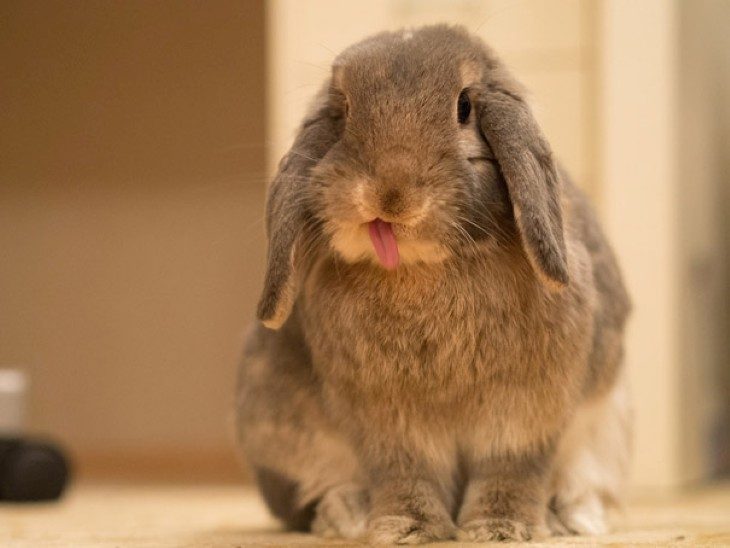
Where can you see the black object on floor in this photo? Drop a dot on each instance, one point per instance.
(31, 470)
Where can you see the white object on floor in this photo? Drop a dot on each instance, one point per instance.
(13, 387)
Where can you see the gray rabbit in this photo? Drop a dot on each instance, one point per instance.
(440, 338)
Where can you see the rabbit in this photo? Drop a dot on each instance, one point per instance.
(439, 339)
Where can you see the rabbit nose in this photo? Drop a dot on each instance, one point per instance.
(391, 202)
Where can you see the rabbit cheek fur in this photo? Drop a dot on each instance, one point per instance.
(475, 390)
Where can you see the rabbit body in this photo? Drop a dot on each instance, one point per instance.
(475, 390)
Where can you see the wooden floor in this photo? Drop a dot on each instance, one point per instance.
(124, 515)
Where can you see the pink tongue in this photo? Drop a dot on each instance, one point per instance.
(381, 234)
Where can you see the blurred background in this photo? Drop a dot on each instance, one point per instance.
(136, 141)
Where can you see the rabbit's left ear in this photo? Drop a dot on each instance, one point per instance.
(526, 163)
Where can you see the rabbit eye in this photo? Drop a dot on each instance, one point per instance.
(463, 107)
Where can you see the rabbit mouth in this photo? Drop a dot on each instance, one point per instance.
(384, 242)
(390, 245)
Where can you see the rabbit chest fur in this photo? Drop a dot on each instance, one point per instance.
(478, 344)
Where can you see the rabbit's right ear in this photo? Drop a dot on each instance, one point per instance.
(533, 183)
(286, 210)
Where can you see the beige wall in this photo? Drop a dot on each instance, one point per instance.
(704, 174)
(664, 157)
(638, 136)
(131, 191)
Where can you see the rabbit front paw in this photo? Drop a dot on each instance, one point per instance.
(498, 529)
(410, 529)
(342, 512)
(582, 516)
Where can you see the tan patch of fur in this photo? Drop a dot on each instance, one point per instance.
(337, 77)
(470, 72)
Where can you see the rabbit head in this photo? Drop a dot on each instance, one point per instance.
(420, 146)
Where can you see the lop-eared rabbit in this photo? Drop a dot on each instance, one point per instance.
(439, 339)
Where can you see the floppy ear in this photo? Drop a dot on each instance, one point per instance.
(526, 163)
(286, 213)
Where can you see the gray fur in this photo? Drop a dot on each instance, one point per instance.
(434, 400)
